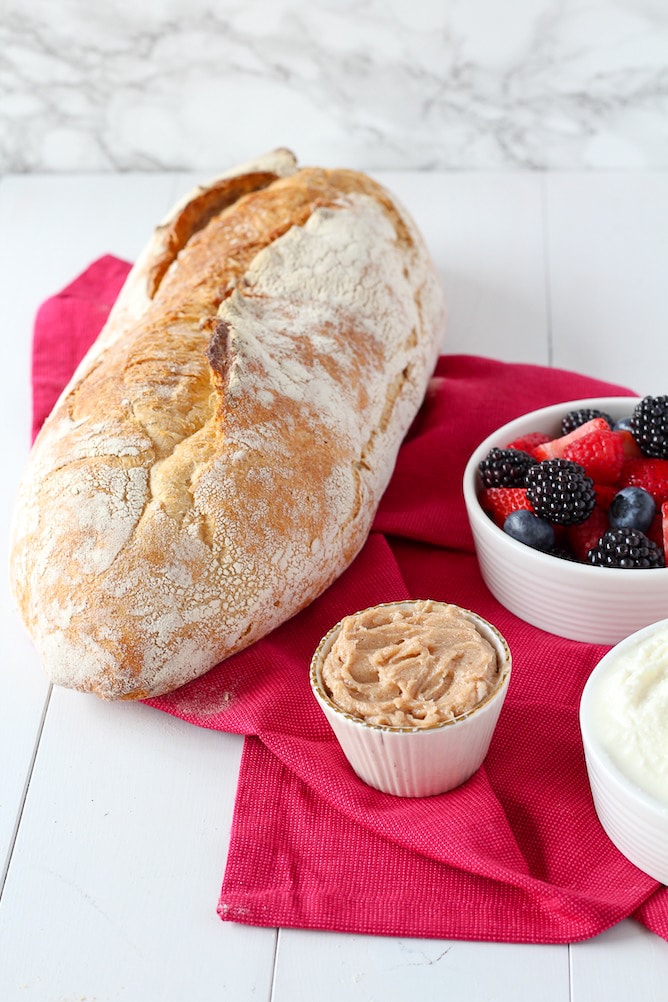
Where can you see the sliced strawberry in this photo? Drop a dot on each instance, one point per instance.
(601, 453)
(652, 474)
(527, 443)
(655, 531)
(664, 518)
(582, 537)
(498, 502)
(604, 495)
(631, 448)
(555, 448)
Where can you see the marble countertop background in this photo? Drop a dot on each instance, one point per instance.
(375, 84)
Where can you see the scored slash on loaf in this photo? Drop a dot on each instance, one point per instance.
(218, 457)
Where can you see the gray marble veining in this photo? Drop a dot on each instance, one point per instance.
(462, 84)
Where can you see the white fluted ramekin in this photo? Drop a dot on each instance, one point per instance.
(416, 762)
(635, 821)
(597, 605)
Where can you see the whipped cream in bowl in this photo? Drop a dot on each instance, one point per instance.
(624, 725)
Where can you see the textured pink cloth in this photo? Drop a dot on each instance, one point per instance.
(516, 853)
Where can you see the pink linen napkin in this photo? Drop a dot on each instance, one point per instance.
(516, 853)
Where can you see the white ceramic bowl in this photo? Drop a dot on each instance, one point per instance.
(598, 605)
(416, 762)
(634, 819)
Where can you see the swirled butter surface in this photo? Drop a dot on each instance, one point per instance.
(409, 665)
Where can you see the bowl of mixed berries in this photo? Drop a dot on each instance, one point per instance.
(569, 511)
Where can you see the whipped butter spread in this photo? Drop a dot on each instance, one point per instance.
(631, 713)
(409, 665)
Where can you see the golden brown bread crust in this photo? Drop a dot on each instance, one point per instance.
(196, 214)
(219, 455)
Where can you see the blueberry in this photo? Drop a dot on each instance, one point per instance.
(632, 508)
(529, 529)
(624, 424)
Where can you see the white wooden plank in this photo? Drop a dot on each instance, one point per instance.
(331, 967)
(608, 261)
(485, 232)
(60, 223)
(52, 227)
(113, 884)
(626, 962)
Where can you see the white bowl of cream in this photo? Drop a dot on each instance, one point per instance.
(413, 691)
(624, 725)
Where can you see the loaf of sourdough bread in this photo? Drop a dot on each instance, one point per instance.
(218, 457)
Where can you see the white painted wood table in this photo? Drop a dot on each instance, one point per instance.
(114, 819)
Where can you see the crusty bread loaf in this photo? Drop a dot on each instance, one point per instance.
(218, 457)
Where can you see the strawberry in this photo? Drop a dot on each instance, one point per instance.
(658, 530)
(582, 537)
(651, 474)
(555, 448)
(655, 531)
(498, 502)
(631, 448)
(604, 495)
(527, 443)
(600, 452)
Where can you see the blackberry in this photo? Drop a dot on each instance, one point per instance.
(574, 419)
(560, 491)
(649, 425)
(505, 468)
(628, 548)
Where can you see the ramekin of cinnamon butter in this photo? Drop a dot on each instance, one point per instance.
(624, 725)
(413, 692)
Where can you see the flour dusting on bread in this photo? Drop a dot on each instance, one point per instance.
(218, 458)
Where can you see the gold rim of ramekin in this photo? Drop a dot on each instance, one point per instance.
(318, 685)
